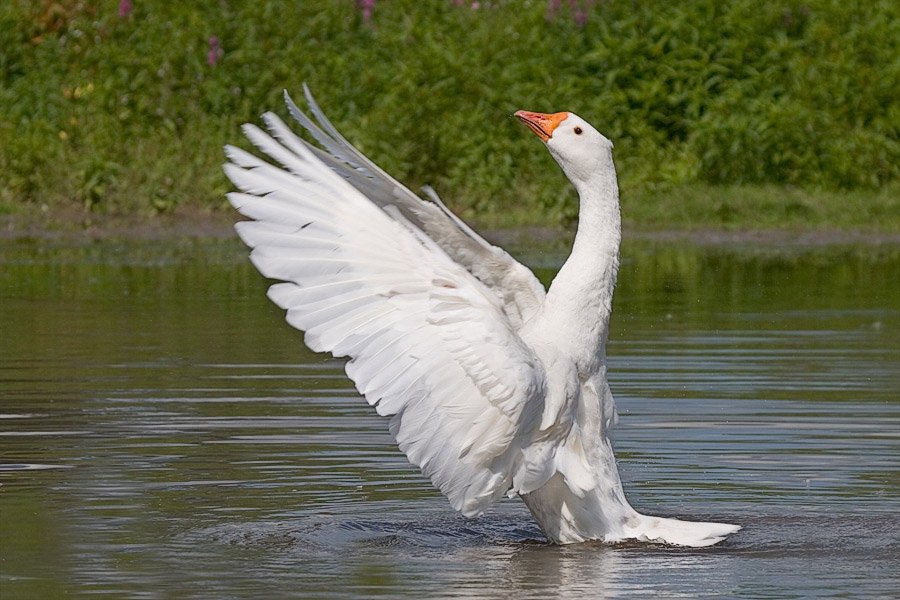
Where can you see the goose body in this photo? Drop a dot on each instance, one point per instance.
(491, 385)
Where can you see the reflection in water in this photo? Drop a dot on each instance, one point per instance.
(163, 433)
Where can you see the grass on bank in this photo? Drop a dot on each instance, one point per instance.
(739, 114)
(696, 207)
(737, 207)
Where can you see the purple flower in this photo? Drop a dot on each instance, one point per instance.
(578, 9)
(580, 16)
(215, 51)
(367, 7)
(553, 7)
(125, 8)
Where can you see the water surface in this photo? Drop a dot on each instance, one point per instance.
(163, 433)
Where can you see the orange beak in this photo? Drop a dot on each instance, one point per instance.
(542, 124)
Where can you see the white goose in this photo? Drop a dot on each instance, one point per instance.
(492, 386)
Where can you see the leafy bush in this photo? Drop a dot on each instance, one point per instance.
(130, 112)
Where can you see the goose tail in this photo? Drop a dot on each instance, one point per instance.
(676, 532)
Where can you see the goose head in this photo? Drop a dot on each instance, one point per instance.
(581, 150)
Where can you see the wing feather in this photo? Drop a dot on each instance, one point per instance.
(431, 346)
(520, 292)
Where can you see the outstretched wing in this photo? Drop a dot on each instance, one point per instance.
(517, 287)
(431, 346)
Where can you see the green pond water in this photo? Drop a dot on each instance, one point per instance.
(165, 434)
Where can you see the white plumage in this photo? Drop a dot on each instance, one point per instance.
(491, 385)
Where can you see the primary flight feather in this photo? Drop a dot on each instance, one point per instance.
(491, 385)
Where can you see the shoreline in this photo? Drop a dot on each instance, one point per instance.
(76, 227)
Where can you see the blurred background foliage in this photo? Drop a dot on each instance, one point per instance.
(739, 113)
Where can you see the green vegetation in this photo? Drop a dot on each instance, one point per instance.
(724, 114)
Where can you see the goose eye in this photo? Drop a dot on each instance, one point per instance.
(578, 131)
